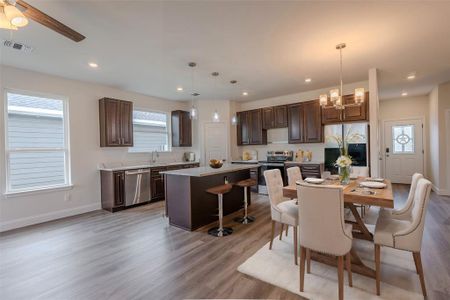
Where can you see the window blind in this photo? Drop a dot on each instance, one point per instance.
(150, 132)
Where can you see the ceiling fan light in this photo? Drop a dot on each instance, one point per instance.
(334, 95)
(359, 95)
(15, 16)
(4, 22)
(323, 99)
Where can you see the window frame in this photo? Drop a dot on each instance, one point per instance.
(65, 149)
(169, 129)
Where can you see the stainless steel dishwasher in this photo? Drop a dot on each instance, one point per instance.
(137, 186)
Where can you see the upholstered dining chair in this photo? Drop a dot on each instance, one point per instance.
(294, 174)
(403, 213)
(283, 211)
(404, 234)
(316, 204)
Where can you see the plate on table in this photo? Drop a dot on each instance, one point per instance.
(375, 179)
(373, 184)
(314, 180)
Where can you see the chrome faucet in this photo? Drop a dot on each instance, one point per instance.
(154, 152)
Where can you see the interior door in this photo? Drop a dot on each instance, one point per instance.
(215, 141)
(403, 143)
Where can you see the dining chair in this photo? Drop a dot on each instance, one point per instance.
(283, 211)
(294, 174)
(360, 172)
(403, 213)
(404, 234)
(316, 204)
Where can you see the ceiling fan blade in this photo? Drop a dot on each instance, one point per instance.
(44, 19)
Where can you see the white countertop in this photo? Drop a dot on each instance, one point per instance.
(208, 171)
(146, 166)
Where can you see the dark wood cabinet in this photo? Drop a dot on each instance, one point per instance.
(250, 128)
(116, 123)
(112, 189)
(351, 112)
(295, 123)
(308, 169)
(181, 129)
(312, 123)
(304, 123)
(274, 117)
(157, 183)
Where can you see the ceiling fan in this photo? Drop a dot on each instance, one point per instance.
(15, 13)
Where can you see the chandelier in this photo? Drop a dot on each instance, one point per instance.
(336, 95)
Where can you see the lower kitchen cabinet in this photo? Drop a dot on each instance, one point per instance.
(308, 169)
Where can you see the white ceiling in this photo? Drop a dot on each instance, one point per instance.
(269, 47)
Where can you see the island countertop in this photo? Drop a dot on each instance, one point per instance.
(207, 171)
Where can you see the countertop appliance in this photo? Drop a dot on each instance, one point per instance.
(189, 156)
(275, 160)
(137, 186)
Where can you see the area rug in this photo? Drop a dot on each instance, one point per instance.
(276, 266)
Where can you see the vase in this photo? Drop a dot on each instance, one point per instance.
(344, 175)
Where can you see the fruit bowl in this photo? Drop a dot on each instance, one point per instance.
(215, 163)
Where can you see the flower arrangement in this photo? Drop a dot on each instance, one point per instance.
(344, 161)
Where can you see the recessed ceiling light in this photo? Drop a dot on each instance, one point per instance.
(404, 94)
(244, 94)
(93, 65)
(411, 76)
(180, 88)
(307, 80)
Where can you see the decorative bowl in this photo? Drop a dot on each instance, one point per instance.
(215, 163)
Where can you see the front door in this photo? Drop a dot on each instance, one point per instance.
(403, 149)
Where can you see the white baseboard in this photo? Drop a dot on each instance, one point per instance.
(22, 222)
(440, 192)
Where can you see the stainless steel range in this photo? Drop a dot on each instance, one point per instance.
(274, 160)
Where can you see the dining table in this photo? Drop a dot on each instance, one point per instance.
(354, 195)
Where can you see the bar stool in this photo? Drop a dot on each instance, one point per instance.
(220, 190)
(246, 219)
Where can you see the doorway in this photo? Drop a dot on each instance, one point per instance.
(403, 149)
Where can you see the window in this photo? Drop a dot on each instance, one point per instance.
(150, 131)
(37, 153)
(403, 139)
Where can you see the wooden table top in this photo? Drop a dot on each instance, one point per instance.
(355, 194)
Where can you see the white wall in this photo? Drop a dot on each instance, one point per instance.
(407, 108)
(86, 153)
(281, 134)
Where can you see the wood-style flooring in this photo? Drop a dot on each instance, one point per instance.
(135, 254)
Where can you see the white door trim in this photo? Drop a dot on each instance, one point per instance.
(383, 141)
(447, 172)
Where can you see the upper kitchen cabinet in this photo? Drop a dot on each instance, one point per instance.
(351, 113)
(181, 129)
(274, 117)
(116, 123)
(304, 123)
(250, 128)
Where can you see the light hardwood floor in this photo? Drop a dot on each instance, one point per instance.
(135, 254)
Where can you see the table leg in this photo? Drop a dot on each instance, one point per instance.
(362, 231)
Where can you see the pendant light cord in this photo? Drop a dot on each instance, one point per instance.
(342, 91)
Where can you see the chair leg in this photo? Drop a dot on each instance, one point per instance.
(281, 230)
(419, 269)
(295, 245)
(341, 276)
(302, 267)
(377, 268)
(348, 262)
(287, 229)
(308, 261)
(272, 234)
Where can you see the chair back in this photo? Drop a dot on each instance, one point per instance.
(321, 219)
(360, 171)
(294, 175)
(410, 238)
(274, 183)
(407, 208)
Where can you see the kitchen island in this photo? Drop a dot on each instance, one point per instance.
(189, 206)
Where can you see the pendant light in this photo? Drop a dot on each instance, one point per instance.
(193, 112)
(336, 95)
(215, 115)
(234, 119)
